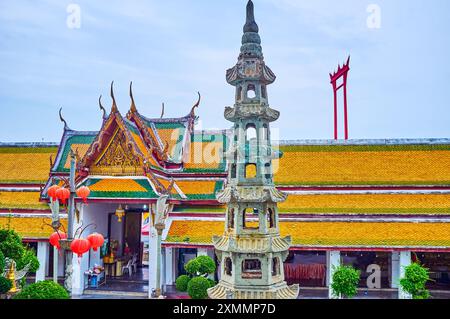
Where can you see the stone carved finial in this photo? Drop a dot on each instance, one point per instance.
(250, 24)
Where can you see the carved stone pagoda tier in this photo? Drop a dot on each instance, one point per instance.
(251, 251)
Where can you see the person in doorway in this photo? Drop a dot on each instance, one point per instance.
(127, 250)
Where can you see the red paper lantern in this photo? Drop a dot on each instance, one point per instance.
(83, 192)
(52, 191)
(96, 240)
(63, 194)
(56, 237)
(80, 246)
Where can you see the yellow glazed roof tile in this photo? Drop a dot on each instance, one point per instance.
(367, 203)
(117, 185)
(370, 167)
(25, 165)
(81, 149)
(339, 234)
(21, 200)
(30, 227)
(197, 187)
(204, 155)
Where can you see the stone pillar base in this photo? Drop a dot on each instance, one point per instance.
(280, 291)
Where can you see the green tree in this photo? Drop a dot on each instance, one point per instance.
(197, 288)
(207, 265)
(28, 257)
(345, 281)
(416, 277)
(192, 267)
(181, 283)
(196, 282)
(11, 244)
(43, 290)
(2, 262)
(5, 285)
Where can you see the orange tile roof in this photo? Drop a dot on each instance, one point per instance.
(25, 165)
(30, 227)
(117, 185)
(367, 203)
(171, 136)
(196, 187)
(81, 148)
(334, 234)
(363, 165)
(205, 156)
(21, 200)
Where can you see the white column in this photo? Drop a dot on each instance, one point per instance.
(333, 260)
(168, 269)
(152, 260)
(395, 269)
(405, 260)
(77, 280)
(42, 251)
(202, 252)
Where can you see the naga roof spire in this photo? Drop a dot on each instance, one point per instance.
(133, 106)
(114, 105)
(102, 107)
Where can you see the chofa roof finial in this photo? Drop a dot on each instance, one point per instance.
(133, 106)
(101, 107)
(66, 127)
(162, 110)
(114, 105)
(196, 105)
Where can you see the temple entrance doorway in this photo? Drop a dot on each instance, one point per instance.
(124, 256)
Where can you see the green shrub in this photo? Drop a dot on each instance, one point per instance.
(28, 257)
(5, 285)
(182, 283)
(43, 290)
(11, 244)
(207, 265)
(2, 262)
(192, 267)
(415, 280)
(345, 281)
(212, 283)
(197, 288)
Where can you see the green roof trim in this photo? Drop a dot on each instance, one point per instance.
(168, 125)
(76, 139)
(122, 194)
(27, 150)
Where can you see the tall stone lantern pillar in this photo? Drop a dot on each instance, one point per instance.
(251, 251)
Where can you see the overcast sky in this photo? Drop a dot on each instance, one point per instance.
(399, 83)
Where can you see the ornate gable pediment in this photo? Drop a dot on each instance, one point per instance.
(114, 151)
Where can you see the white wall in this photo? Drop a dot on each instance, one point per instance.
(92, 213)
